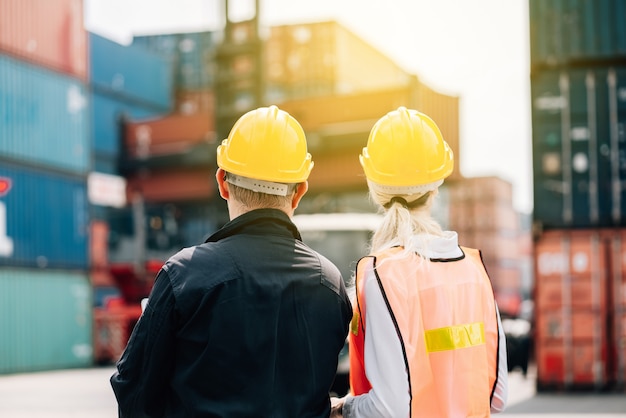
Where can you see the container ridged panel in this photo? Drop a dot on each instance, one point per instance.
(43, 117)
(191, 54)
(564, 32)
(48, 33)
(579, 146)
(45, 320)
(572, 310)
(46, 219)
(107, 111)
(131, 72)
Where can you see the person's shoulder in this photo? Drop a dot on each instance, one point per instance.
(330, 274)
(189, 256)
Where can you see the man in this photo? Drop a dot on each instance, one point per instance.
(250, 323)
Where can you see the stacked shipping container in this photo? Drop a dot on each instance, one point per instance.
(481, 211)
(578, 81)
(125, 82)
(169, 160)
(63, 93)
(45, 155)
(325, 58)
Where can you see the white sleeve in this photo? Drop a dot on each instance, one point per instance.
(500, 394)
(384, 363)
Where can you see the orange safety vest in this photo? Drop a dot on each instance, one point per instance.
(445, 317)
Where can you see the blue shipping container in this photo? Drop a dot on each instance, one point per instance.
(567, 31)
(579, 147)
(191, 53)
(107, 111)
(43, 219)
(43, 117)
(45, 320)
(131, 72)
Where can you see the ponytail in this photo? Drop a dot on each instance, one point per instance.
(404, 217)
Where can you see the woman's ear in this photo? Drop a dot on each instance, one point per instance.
(222, 184)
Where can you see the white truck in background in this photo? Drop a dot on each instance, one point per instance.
(343, 238)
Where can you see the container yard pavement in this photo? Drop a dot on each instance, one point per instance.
(86, 393)
(77, 393)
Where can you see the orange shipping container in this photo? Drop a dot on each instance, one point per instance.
(49, 33)
(336, 172)
(172, 134)
(495, 244)
(331, 118)
(301, 58)
(484, 216)
(482, 189)
(173, 186)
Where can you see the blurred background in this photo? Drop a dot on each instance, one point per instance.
(111, 112)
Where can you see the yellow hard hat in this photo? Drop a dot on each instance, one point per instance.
(266, 144)
(405, 148)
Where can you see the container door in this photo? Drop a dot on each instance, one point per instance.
(618, 305)
(571, 335)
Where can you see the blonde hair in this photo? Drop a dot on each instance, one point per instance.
(404, 217)
(256, 200)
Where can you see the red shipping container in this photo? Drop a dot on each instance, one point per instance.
(571, 269)
(201, 102)
(617, 240)
(572, 339)
(98, 244)
(495, 215)
(49, 33)
(336, 172)
(504, 277)
(172, 186)
(488, 189)
(494, 244)
(618, 349)
(172, 134)
(563, 364)
(578, 293)
(577, 324)
(460, 212)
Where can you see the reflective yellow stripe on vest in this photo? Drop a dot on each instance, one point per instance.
(455, 337)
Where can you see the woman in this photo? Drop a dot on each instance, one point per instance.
(426, 338)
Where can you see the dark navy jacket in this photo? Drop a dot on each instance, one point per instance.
(248, 324)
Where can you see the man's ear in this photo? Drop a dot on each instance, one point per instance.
(222, 184)
(300, 191)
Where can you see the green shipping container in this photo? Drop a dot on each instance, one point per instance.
(45, 320)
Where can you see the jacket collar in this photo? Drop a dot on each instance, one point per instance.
(259, 221)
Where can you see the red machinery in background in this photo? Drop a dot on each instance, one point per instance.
(116, 316)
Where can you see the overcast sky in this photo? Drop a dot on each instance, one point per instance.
(475, 49)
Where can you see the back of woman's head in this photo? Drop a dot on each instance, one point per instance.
(405, 161)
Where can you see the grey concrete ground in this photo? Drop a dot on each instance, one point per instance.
(524, 402)
(86, 393)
